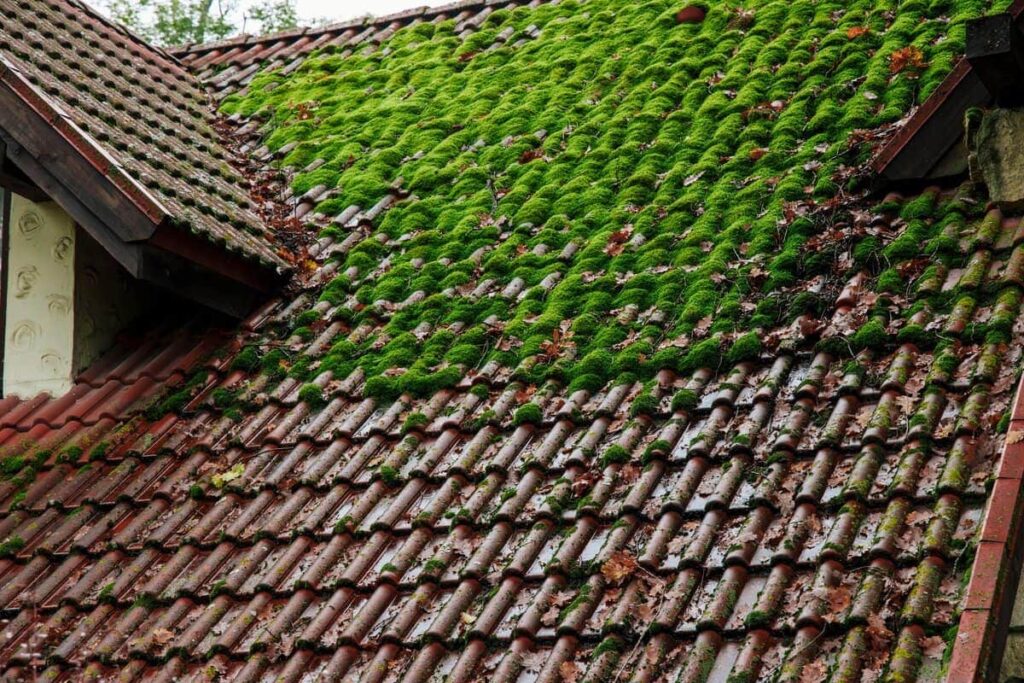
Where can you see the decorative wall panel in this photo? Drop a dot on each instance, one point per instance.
(39, 330)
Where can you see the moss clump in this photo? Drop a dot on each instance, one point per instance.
(247, 360)
(705, 354)
(746, 348)
(871, 335)
(918, 336)
(644, 404)
(529, 413)
(11, 546)
(659, 447)
(684, 400)
(389, 475)
(71, 455)
(99, 451)
(614, 454)
(415, 422)
(313, 396)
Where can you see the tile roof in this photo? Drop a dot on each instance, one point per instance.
(136, 115)
(702, 507)
(228, 65)
(795, 510)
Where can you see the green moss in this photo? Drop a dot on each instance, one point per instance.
(644, 404)
(746, 348)
(145, 601)
(529, 413)
(609, 645)
(659, 447)
(684, 400)
(11, 546)
(414, 422)
(312, 395)
(871, 335)
(614, 454)
(389, 475)
(70, 455)
(434, 566)
(647, 168)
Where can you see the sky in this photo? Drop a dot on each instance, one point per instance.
(337, 10)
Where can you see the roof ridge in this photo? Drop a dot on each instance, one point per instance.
(139, 41)
(364, 22)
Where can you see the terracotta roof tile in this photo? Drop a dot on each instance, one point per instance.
(810, 508)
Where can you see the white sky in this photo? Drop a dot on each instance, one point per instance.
(337, 10)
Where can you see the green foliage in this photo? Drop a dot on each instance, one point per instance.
(181, 22)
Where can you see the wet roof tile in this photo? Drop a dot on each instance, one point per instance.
(810, 509)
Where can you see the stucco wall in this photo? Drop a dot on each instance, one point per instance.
(39, 330)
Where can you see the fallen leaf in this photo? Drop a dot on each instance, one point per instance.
(1014, 436)
(619, 567)
(855, 32)
(814, 672)
(838, 600)
(907, 58)
(933, 647)
(162, 636)
(219, 480)
(569, 672)
(879, 635)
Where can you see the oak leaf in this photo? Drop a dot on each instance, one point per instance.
(569, 672)
(907, 58)
(619, 567)
(814, 672)
(162, 636)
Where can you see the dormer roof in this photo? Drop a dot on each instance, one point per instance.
(124, 138)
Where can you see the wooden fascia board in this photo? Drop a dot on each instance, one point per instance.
(31, 136)
(259, 277)
(125, 253)
(936, 125)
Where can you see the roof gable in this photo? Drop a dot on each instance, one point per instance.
(125, 136)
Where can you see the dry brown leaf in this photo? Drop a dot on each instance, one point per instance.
(1014, 436)
(619, 567)
(933, 647)
(569, 672)
(856, 32)
(879, 635)
(814, 672)
(909, 57)
(839, 599)
(162, 636)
